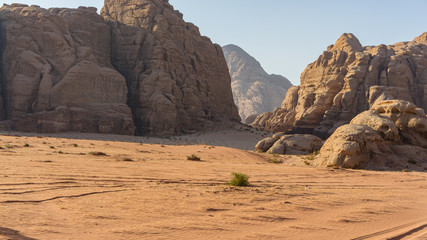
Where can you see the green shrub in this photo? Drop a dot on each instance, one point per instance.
(26, 145)
(193, 157)
(275, 160)
(312, 155)
(239, 179)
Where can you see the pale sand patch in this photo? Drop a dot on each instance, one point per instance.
(54, 189)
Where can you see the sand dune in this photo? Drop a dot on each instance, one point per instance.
(53, 188)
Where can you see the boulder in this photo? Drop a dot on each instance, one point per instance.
(265, 144)
(390, 136)
(381, 124)
(298, 144)
(352, 146)
(409, 119)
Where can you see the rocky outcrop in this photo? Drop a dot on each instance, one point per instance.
(392, 135)
(348, 79)
(298, 144)
(56, 73)
(254, 91)
(177, 80)
(137, 69)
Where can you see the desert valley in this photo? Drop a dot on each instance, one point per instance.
(129, 124)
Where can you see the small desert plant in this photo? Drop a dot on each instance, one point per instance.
(239, 179)
(193, 157)
(26, 145)
(98, 153)
(412, 160)
(52, 147)
(312, 155)
(275, 160)
(60, 152)
(75, 145)
(307, 163)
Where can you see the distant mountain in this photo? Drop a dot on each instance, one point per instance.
(254, 90)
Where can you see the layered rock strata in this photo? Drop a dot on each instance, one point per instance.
(254, 90)
(348, 79)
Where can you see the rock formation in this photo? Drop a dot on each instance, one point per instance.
(56, 73)
(254, 91)
(392, 135)
(299, 144)
(139, 65)
(177, 79)
(348, 79)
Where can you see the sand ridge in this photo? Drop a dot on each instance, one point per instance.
(53, 188)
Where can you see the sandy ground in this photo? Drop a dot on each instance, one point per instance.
(52, 188)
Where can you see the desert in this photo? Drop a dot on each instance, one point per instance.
(124, 121)
(57, 188)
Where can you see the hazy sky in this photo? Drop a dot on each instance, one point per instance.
(287, 35)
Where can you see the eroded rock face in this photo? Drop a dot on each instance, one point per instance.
(178, 80)
(254, 91)
(348, 79)
(383, 125)
(391, 135)
(56, 70)
(299, 144)
(352, 146)
(137, 64)
(408, 118)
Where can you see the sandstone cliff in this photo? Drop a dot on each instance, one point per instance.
(56, 73)
(138, 68)
(346, 80)
(254, 91)
(177, 79)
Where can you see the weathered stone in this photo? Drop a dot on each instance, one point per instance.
(254, 91)
(299, 144)
(392, 135)
(409, 119)
(352, 146)
(386, 128)
(265, 144)
(346, 80)
(56, 70)
(178, 80)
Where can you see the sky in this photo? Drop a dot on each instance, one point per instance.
(287, 35)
